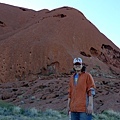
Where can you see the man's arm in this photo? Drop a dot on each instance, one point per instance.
(90, 105)
(91, 93)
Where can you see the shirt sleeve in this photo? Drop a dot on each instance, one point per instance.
(90, 85)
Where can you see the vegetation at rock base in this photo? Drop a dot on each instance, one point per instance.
(107, 115)
(11, 112)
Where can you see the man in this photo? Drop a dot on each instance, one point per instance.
(81, 92)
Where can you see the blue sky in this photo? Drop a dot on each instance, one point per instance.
(104, 14)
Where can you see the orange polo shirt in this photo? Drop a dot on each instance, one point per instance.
(79, 93)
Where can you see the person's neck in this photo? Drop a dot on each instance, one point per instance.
(78, 72)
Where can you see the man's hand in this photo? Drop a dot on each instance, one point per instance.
(68, 110)
(89, 109)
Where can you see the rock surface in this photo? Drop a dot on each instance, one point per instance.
(33, 43)
(37, 43)
(52, 93)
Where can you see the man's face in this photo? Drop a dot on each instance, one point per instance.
(78, 66)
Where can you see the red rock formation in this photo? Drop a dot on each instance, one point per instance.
(52, 93)
(45, 42)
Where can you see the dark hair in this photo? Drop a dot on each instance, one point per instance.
(83, 69)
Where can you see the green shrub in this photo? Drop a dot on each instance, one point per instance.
(107, 115)
(5, 104)
(11, 112)
(52, 113)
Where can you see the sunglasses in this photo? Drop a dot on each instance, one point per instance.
(77, 63)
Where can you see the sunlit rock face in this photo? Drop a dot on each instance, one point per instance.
(35, 43)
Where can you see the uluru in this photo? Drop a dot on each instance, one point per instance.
(36, 53)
